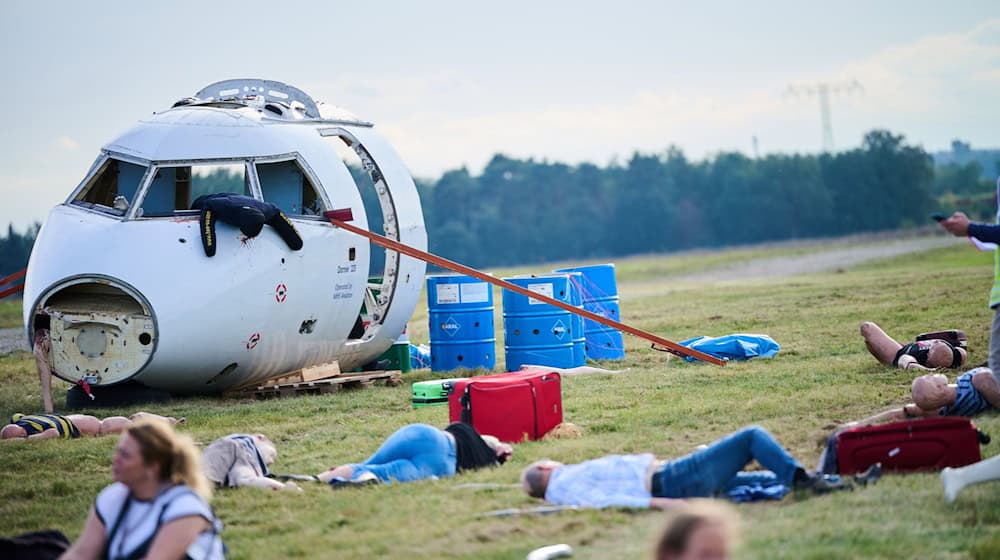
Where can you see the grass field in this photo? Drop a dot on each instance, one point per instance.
(10, 313)
(822, 377)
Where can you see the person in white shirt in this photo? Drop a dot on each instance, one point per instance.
(158, 505)
(643, 481)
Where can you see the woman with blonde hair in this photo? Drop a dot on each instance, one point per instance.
(158, 505)
(699, 530)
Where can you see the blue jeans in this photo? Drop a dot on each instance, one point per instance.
(713, 470)
(413, 452)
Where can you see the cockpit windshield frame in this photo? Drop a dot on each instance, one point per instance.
(133, 207)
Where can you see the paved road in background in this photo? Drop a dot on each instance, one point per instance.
(820, 260)
(13, 339)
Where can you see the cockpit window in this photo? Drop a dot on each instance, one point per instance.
(112, 188)
(174, 188)
(285, 185)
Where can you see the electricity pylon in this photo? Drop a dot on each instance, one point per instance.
(823, 91)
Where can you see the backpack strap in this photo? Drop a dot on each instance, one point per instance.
(141, 551)
(118, 523)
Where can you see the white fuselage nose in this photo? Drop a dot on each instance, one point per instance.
(128, 293)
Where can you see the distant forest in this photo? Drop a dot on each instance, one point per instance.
(527, 211)
(524, 211)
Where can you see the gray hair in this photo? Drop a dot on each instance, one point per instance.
(535, 480)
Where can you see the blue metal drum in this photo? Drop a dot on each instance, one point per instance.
(576, 328)
(460, 323)
(600, 296)
(536, 332)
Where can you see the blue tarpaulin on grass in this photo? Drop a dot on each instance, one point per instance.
(733, 346)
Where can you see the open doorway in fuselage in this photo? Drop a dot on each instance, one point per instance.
(378, 206)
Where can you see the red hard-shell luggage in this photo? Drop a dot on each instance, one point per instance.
(913, 445)
(511, 406)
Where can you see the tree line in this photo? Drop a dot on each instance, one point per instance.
(521, 211)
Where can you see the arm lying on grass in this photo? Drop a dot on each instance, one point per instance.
(906, 412)
(245, 476)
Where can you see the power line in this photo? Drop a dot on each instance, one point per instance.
(823, 90)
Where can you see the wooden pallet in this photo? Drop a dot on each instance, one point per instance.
(314, 373)
(342, 382)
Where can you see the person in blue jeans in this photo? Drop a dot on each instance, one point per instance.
(643, 481)
(419, 451)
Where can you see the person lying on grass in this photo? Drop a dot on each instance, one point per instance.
(645, 481)
(44, 426)
(924, 354)
(419, 451)
(973, 392)
(242, 460)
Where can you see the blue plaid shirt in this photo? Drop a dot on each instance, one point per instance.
(968, 401)
(615, 480)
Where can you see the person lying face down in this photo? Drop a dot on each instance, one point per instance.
(44, 426)
(242, 460)
(924, 354)
(419, 451)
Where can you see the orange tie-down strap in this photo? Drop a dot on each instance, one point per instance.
(13, 289)
(339, 217)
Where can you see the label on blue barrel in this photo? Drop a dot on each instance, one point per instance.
(475, 293)
(544, 289)
(559, 329)
(447, 293)
(451, 326)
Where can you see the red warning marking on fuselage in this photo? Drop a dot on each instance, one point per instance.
(253, 340)
(280, 293)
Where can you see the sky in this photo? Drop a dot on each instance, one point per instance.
(451, 83)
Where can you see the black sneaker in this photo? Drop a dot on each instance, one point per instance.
(299, 477)
(341, 482)
(821, 484)
(869, 476)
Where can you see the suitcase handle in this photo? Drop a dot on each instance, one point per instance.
(465, 402)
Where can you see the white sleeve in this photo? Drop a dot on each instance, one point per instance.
(186, 505)
(109, 503)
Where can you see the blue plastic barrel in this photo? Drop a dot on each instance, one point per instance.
(460, 323)
(576, 329)
(536, 332)
(600, 296)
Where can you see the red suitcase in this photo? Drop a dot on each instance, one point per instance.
(511, 406)
(914, 445)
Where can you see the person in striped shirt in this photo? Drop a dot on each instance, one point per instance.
(44, 426)
(973, 392)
